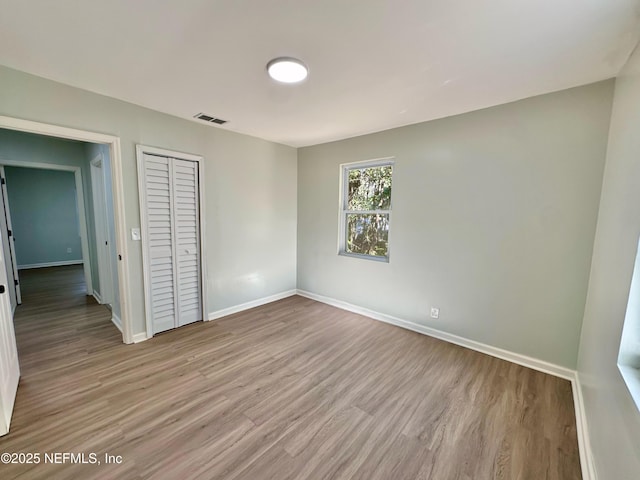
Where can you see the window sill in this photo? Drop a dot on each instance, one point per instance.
(631, 377)
(365, 257)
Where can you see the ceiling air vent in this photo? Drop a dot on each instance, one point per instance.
(209, 118)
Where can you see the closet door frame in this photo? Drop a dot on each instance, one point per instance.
(141, 150)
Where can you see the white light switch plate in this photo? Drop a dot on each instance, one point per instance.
(135, 234)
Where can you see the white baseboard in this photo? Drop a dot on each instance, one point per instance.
(139, 337)
(252, 304)
(50, 264)
(584, 444)
(98, 298)
(116, 321)
(513, 357)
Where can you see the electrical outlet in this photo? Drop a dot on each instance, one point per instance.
(435, 312)
(69, 250)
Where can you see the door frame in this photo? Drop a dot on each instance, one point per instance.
(82, 216)
(117, 187)
(9, 246)
(140, 151)
(101, 222)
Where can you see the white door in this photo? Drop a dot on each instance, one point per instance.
(169, 205)
(158, 237)
(9, 368)
(187, 240)
(8, 245)
(102, 231)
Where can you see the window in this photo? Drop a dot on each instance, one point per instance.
(366, 209)
(629, 355)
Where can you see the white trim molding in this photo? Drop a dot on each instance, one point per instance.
(584, 444)
(115, 319)
(98, 298)
(63, 263)
(513, 357)
(252, 304)
(140, 337)
(115, 154)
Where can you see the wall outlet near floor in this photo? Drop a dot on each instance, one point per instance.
(435, 312)
(68, 250)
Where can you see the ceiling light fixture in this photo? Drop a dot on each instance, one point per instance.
(287, 70)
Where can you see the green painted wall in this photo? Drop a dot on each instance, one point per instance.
(44, 215)
(249, 186)
(613, 418)
(30, 148)
(493, 219)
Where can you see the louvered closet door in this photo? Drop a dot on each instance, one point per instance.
(173, 241)
(187, 240)
(159, 233)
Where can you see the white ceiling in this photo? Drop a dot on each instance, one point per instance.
(374, 64)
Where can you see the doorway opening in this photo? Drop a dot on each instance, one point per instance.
(95, 260)
(56, 223)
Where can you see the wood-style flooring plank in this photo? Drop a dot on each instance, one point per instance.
(292, 390)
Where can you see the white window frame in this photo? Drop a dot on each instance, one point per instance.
(629, 353)
(343, 212)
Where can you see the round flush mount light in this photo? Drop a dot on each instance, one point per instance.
(287, 70)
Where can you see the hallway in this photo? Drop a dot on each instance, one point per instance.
(56, 314)
(59, 331)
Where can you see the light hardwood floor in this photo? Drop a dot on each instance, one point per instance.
(291, 390)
